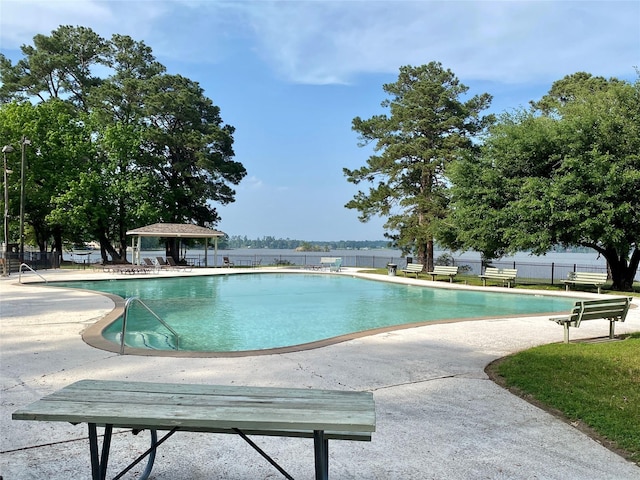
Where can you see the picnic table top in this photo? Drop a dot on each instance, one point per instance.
(204, 407)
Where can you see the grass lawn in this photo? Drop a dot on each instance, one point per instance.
(593, 385)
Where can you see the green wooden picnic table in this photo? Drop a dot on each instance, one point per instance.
(241, 410)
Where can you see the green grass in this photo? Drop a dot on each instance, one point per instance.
(597, 384)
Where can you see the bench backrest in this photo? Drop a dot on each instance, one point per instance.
(611, 309)
(330, 259)
(445, 270)
(501, 272)
(414, 267)
(587, 277)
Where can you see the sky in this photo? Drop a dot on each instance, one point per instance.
(290, 76)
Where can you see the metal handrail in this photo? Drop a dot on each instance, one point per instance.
(20, 273)
(127, 304)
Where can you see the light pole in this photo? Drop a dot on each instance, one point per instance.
(5, 267)
(24, 143)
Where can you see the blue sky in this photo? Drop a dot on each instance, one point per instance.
(292, 75)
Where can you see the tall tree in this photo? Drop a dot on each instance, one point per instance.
(428, 126)
(565, 172)
(159, 149)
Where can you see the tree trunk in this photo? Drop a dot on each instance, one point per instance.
(107, 249)
(429, 262)
(41, 237)
(622, 272)
(425, 255)
(57, 243)
(172, 249)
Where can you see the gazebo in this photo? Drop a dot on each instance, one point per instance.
(174, 230)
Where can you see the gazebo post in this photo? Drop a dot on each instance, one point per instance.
(133, 250)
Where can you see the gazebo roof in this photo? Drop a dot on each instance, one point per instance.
(175, 230)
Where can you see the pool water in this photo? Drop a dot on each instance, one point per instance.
(228, 313)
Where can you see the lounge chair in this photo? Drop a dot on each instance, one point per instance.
(150, 264)
(227, 263)
(172, 263)
(162, 263)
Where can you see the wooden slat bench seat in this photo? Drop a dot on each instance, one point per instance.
(506, 275)
(612, 309)
(586, 278)
(443, 270)
(332, 263)
(413, 268)
(289, 412)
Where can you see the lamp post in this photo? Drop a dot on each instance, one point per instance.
(24, 143)
(5, 271)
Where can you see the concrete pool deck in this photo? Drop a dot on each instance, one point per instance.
(438, 414)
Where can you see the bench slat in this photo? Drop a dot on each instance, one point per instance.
(444, 270)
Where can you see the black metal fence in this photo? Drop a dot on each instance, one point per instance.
(532, 272)
(36, 260)
(528, 272)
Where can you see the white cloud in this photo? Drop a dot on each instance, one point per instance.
(325, 42)
(251, 183)
(328, 42)
(22, 19)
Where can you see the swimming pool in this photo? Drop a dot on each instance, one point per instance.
(233, 313)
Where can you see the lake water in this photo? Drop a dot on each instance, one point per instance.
(553, 265)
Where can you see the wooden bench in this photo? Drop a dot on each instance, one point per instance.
(613, 309)
(287, 412)
(413, 268)
(444, 271)
(332, 263)
(586, 278)
(506, 275)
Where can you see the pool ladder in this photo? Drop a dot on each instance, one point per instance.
(127, 304)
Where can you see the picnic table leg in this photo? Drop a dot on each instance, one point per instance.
(321, 448)
(566, 332)
(99, 466)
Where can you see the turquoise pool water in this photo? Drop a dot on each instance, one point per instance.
(228, 313)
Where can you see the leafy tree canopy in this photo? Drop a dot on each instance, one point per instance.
(565, 172)
(154, 149)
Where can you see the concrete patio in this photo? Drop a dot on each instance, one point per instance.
(438, 414)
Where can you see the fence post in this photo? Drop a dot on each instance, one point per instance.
(552, 271)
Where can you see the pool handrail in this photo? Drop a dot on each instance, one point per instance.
(26, 265)
(127, 304)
